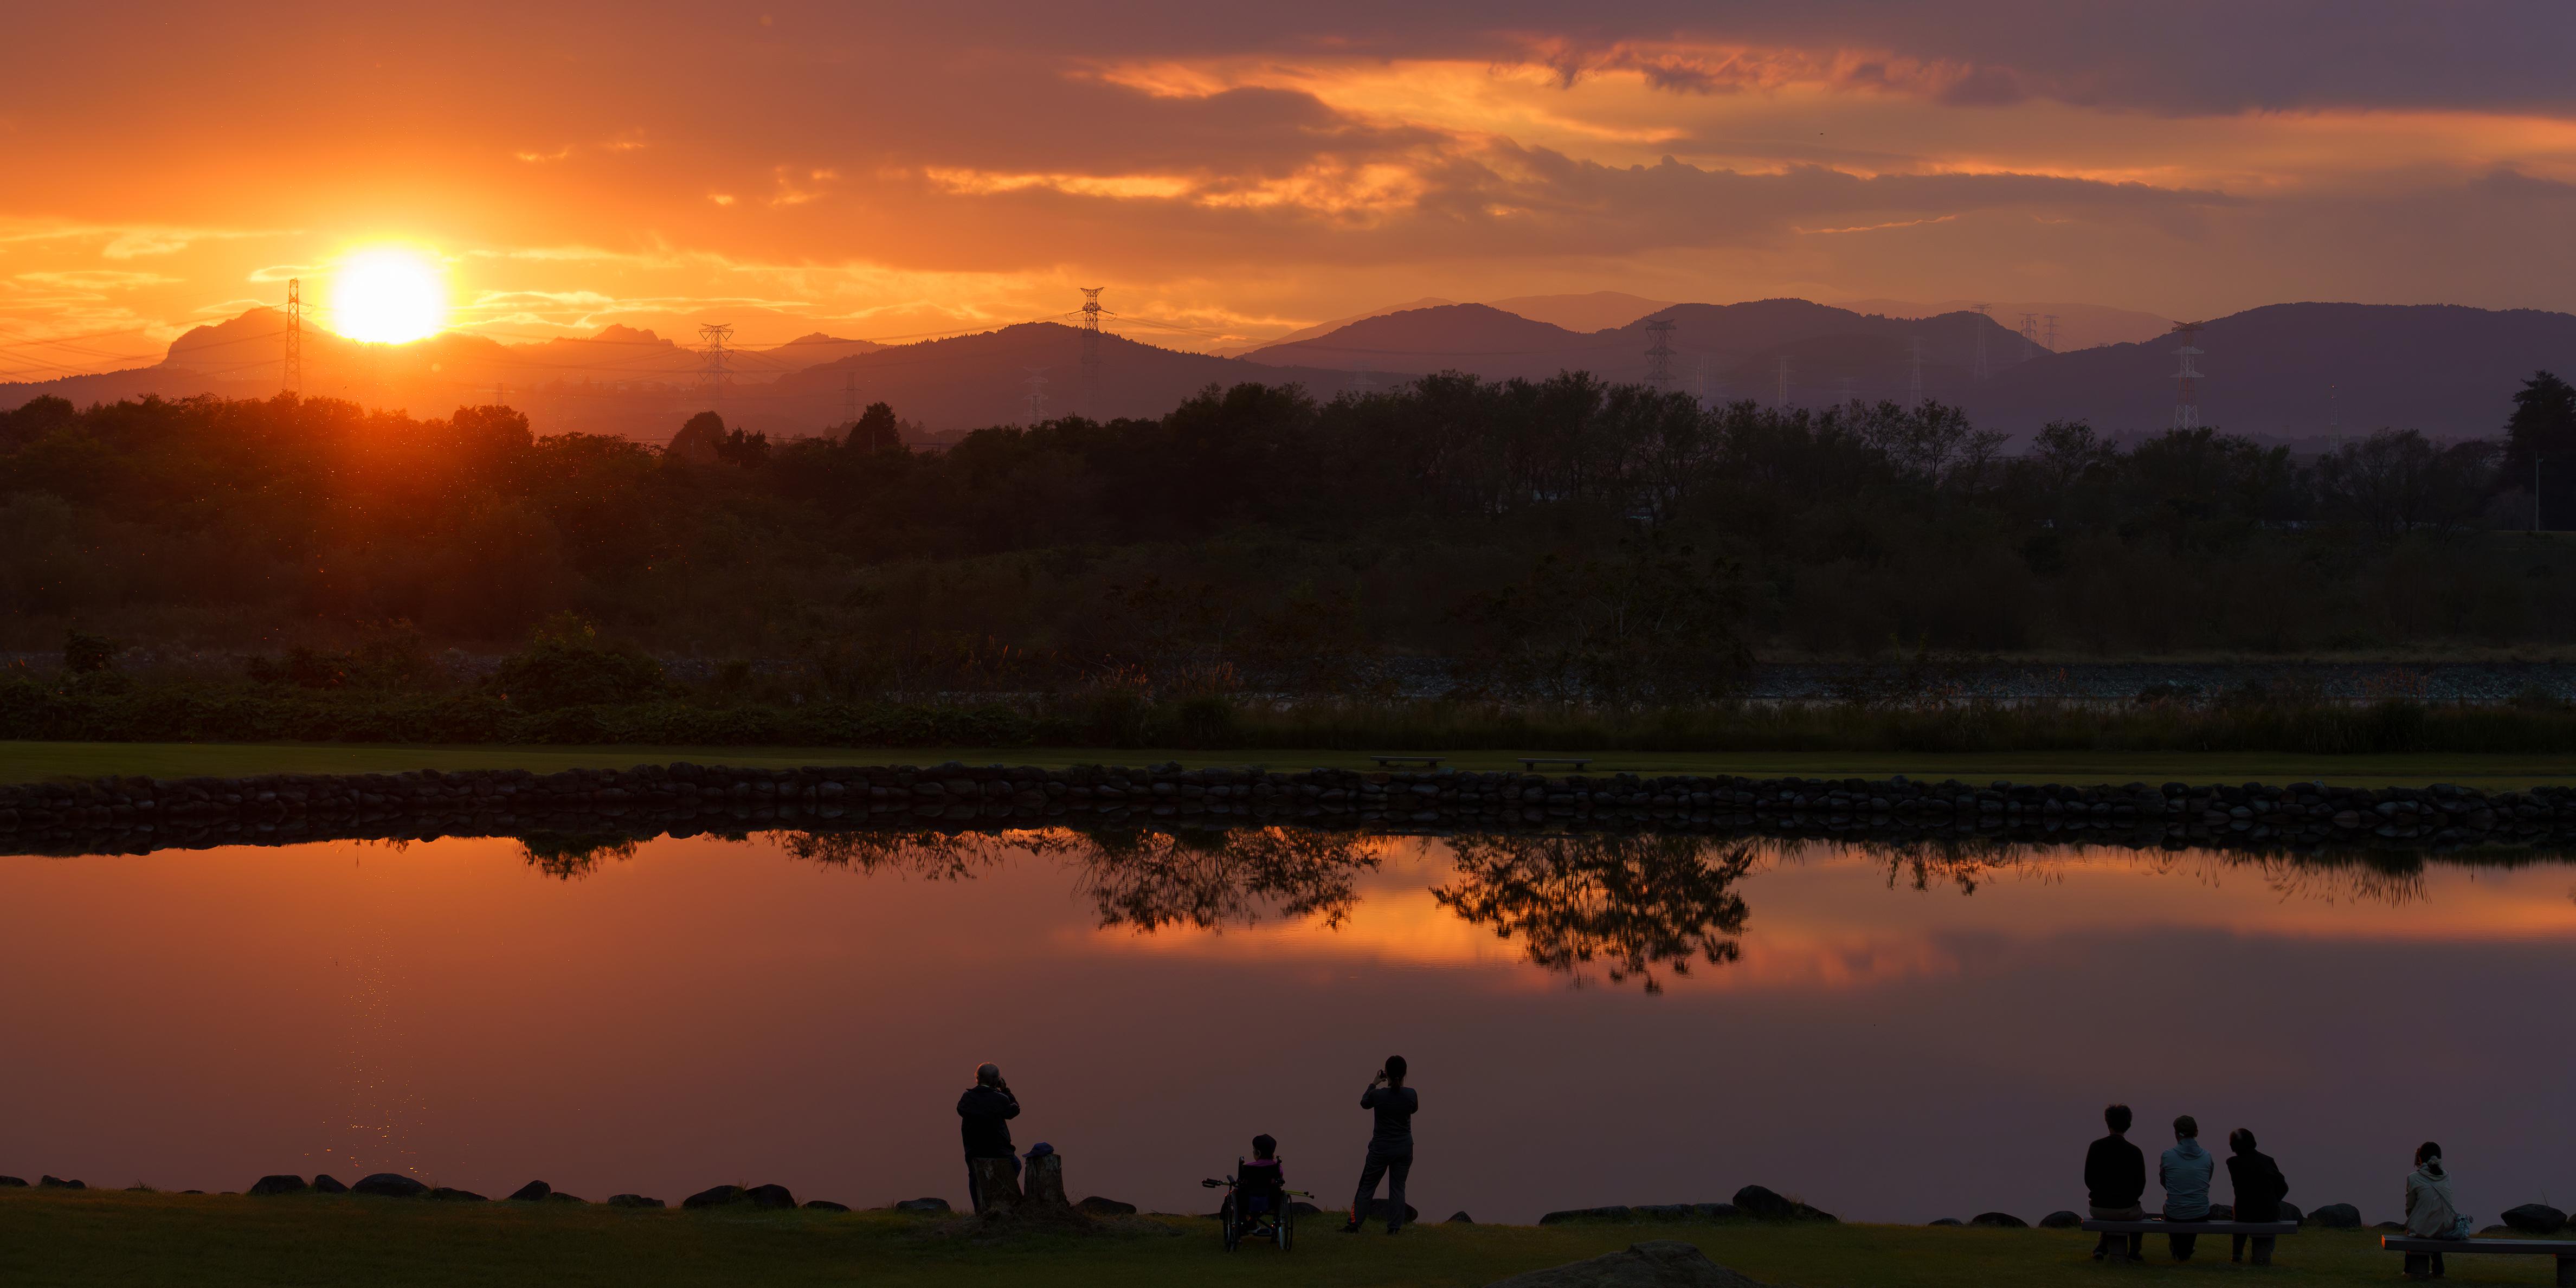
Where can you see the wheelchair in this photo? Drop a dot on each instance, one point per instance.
(1256, 1207)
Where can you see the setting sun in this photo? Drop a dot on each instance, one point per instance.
(388, 296)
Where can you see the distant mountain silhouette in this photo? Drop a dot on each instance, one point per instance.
(1327, 328)
(970, 381)
(1591, 311)
(2303, 371)
(2079, 326)
(2297, 372)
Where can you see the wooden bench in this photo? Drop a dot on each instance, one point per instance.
(2257, 1229)
(1533, 762)
(2420, 1252)
(1427, 762)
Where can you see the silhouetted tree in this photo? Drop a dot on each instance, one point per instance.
(2540, 448)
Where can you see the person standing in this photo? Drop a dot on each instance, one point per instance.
(2115, 1181)
(2259, 1188)
(1390, 1148)
(2430, 1211)
(984, 1119)
(2184, 1172)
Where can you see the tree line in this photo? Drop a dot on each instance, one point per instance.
(1548, 531)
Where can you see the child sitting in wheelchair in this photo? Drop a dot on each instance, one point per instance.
(1258, 1202)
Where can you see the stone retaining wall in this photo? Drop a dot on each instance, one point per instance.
(136, 814)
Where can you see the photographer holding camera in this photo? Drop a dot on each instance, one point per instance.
(1390, 1148)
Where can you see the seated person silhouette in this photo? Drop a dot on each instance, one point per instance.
(1261, 1186)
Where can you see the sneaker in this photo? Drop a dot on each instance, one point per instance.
(1350, 1227)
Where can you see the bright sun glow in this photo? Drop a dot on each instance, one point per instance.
(388, 296)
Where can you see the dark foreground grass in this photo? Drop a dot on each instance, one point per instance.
(50, 1238)
(37, 761)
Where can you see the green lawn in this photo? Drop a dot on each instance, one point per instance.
(29, 761)
(49, 1238)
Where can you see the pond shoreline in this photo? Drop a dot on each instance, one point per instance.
(129, 814)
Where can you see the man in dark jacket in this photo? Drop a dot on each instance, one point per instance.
(1390, 1148)
(2259, 1187)
(984, 1119)
(2115, 1180)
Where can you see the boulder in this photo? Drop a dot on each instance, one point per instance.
(1664, 1211)
(2391, 1226)
(2290, 1212)
(558, 1196)
(1716, 1211)
(2535, 1218)
(770, 1198)
(1590, 1215)
(267, 1185)
(1768, 1205)
(1949, 1220)
(58, 1183)
(1661, 1263)
(532, 1192)
(390, 1185)
(825, 1205)
(717, 1197)
(922, 1205)
(328, 1184)
(1098, 1206)
(447, 1194)
(1384, 1210)
(634, 1201)
(1460, 1218)
(13, 1182)
(2495, 1229)
(1998, 1221)
(2336, 1216)
(2061, 1220)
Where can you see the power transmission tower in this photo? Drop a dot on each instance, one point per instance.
(715, 361)
(292, 380)
(1659, 354)
(2029, 336)
(1037, 393)
(1780, 389)
(1914, 380)
(1091, 312)
(2187, 399)
(1980, 370)
(2052, 333)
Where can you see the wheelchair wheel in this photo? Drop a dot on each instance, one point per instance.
(1287, 1228)
(1225, 1218)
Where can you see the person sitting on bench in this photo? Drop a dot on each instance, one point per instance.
(2115, 1179)
(2259, 1188)
(2184, 1172)
(2430, 1213)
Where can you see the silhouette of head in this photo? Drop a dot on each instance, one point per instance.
(2186, 1127)
(2116, 1117)
(1263, 1146)
(2428, 1152)
(2241, 1141)
(1395, 1070)
(988, 1074)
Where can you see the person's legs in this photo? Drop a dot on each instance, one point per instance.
(1396, 1167)
(2262, 1249)
(1371, 1173)
(974, 1189)
(2182, 1245)
(2236, 1247)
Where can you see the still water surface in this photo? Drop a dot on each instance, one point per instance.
(1890, 1036)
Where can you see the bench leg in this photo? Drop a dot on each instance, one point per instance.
(2419, 1265)
(2567, 1272)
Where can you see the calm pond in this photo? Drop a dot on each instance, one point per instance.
(1890, 1034)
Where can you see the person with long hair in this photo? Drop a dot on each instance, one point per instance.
(2259, 1188)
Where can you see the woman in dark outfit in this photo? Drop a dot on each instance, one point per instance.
(2259, 1187)
(1390, 1149)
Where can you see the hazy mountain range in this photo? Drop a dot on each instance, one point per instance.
(2289, 371)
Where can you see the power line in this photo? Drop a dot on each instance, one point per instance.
(715, 369)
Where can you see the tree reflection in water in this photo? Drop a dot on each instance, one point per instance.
(1635, 904)
(935, 856)
(1148, 880)
(566, 857)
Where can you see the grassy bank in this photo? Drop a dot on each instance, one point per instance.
(37, 761)
(98, 1238)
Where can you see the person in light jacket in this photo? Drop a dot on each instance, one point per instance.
(2430, 1213)
(2184, 1171)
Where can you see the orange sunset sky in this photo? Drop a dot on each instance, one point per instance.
(1234, 171)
